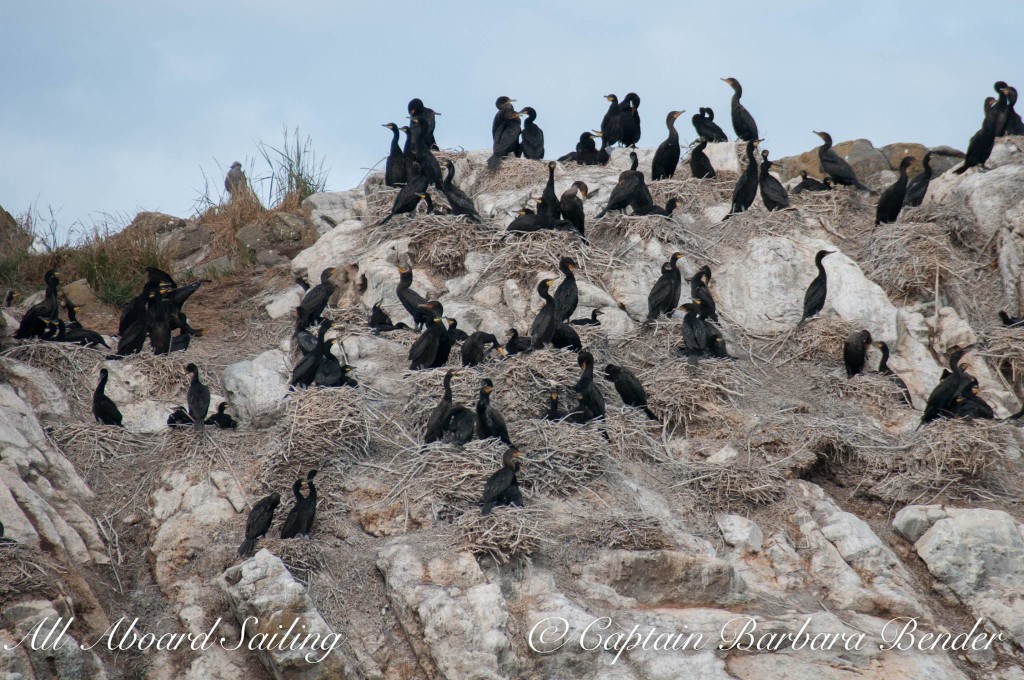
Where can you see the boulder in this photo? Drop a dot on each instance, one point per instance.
(740, 532)
(282, 233)
(80, 293)
(329, 209)
(183, 242)
(867, 162)
(257, 388)
(912, 521)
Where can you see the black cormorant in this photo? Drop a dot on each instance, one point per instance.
(592, 321)
(890, 203)
(658, 300)
(1010, 321)
(745, 191)
(706, 127)
(700, 164)
(445, 342)
(428, 162)
(104, 410)
(412, 301)
(461, 203)
(439, 416)
(567, 295)
(716, 342)
(300, 518)
(502, 488)
(198, 398)
(586, 149)
(666, 158)
(460, 426)
(700, 292)
(305, 340)
(1014, 124)
(158, 323)
(855, 351)
(544, 323)
(554, 411)
(411, 194)
(181, 341)
(941, 400)
(631, 190)
(566, 337)
(918, 185)
(316, 298)
(455, 333)
(256, 527)
(677, 283)
(814, 297)
(423, 351)
(883, 369)
(32, 322)
(629, 388)
(808, 184)
(742, 122)
(78, 336)
(772, 192)
(505, 132)
(630, 108)
(834, 166)
(394, 167)
(570, 204)
(222, 418)
(473, 349)
(489, 422)
(427, 116)
(694, 330)
(592, 400)
(612, 123)
(304, 372)
(329, 372)
(998, 114)
(981, 144)
(72, 311)
(517, 343)
(533, 136)
(549, 200)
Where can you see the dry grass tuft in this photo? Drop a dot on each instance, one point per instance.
(819, 339)
(504, 534)
(225, 220)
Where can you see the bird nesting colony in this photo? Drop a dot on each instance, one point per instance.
(24, 572)
(732, 486)
(620, 531)
(442, 242)
(632, 435)
(620, 228)
(514, 174)
(506, 533)
(560, 458)
(324, 423)
(1004, 347)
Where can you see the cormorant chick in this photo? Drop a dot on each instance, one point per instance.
(533, 136)
(12, 296)
(455, 333)
(891, 202)
(300, 518)
(472, 349)
(260, 518)
(700, 164)
(652, 209)
(179, 417)
(502, 488)
(814, 298)
(942, 398)
(772, 192)
(666, 158)
(834, 166)
(489, 422)
(855, 351)
(380, 321)
(809, 184)
(592, 321)
(394, 167)
(742, 122)
(222, 418)
(198, 398)
(629, 388)
(460, 426)
(517, 343)
(554, 412)
(104, 410)
(586, 149)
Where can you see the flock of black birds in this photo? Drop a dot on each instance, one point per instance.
(157, 311)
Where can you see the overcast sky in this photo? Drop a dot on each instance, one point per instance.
(119, 106)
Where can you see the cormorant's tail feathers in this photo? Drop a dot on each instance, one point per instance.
(247, 547)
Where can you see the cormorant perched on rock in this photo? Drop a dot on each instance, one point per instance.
(855, 351)
(835, 167)
(1010, 321)
(412, 301)
(742, 122)
(235, 182)
(586, 149)
(104, 410)
(461, 203)
(158, 324)
(394, 167)
(694, 330)
(260, 518)
(918, 185)
(32, 325)
(699, 292)
(772, 192)
(629, 388)
(410, 195)
(1014, 124)
(416, 109)
(502, 488)
(809, 184)
(700, 164)
(544, 323)
(627, 191)
(517, 343)
(659, 299)
(316, 298)
(179, 417)
(533, 136)
(428, 163)
(505, 133)
(300, 518)
(891, 201)
(612, 123)
(423, 351)
(592, 400)
(997, 114)
(630, 108)
(473, 349)
(981, 144)
(566, 337)
(198, 398)
(304, 372)
(489, 422)
(745, 191)
(814, 298)
(554, 411)
(570, 204)
(567, 295)
(707, 129)
(222, 418)
(666, 158)
(592, 321)
(941, 400)
(549, 201)
(439, 416)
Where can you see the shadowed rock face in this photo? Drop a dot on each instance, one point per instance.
(869, 163)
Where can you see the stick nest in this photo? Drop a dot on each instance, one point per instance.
(514, 174)
(26, 573)
(733, 485)
(504, 534)
(326, 421)
(618, 531)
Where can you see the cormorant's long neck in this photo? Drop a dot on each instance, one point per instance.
(588, 373)
(927, 167)
(821, 269)
(567, 272)
(553, 406)
(297, 489)
(395, 148)
(311, 498)
(102, 386)
(883, 365)
(545, 295)
(447, 388)
(61, 329)
(449, 177)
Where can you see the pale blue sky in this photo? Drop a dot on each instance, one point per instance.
(115, 106)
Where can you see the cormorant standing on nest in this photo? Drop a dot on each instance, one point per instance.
(305, 371)
(455, 333)
(661, 293)
(460, 426)
(104, 410)
(260, 518)
(918, 185)
(461, 203)
(883, 369)
(472, 350)
(300, 518)
(198, 398)
(700, 164)
(544, 323)
(611, 124)
(394, 167)
(411, 194)
(772, 192)
(745, 191)
(666, 158)
(592, 399)
(630, 108)
(222, 418)
(413, 302)
(941, 400)
(554, 412)
(329, 372)
(629, 388)
(808, 184)
(586, 149)
(891, 202)
(855, 352)
(742, 122)
(570, 204)
(567, 296)
(445, 342)
(439, 416)
(77, 336)
(533, 136)
(158, 324)
(502, 488)
(566, 337)
(32, 322)
(981, 144)
(694, 330)
(700, 292)
(631, 190)
(429, 165)
(303, 338)
(315, 300)
(423, 351)
(505, 132)
(834, 166)
(1010, 321)
(548, 197)
(380, 321)
(707, 129)
(489, 422)
(517, 343)
(814, 298)
(592, 321)
(427, 117)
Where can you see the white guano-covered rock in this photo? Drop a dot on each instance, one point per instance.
(257, 388)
